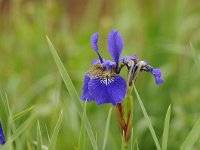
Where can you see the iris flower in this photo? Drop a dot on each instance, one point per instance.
(102, 82)
(2, 138)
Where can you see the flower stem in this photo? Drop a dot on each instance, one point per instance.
(125, 118)
(120, 115)
(130, 114)
(125, 113)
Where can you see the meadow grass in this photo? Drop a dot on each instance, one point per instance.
(40, 106)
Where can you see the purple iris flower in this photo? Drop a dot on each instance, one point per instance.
(2, 138)
(102, 83)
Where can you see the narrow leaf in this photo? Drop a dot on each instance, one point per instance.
(47, 133)
(137, 147)
(4, 112)
(12, 123)
(107, 129)
(194, 54)
(24, 112)
(166, 129)
(52, 145)
(72, 91)
(132, 139)
(19, 131)
(192, 137)
(147, 119)
(65, 76)
(81, 142)
(29, 147)
(39, 137)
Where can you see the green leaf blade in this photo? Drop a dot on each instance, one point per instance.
(81, 142)
(72, 91)
(192, 137)
(24, 112)
(52, 144)
(166, 129)
(147, 119)
(65, 76)
(39, 137)
(19, 131)
(107, 129)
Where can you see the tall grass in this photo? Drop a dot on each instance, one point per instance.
(165, 33)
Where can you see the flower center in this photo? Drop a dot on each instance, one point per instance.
(105, 75)
(107, 80)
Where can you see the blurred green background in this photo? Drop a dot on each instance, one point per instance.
(166, 33)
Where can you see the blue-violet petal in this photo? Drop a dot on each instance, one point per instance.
(2, 138)
(86, 95)
(157, 75)
(108, 90)
(94, 41)
(115, 45)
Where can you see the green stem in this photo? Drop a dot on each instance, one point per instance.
(125, 110)
(124, 145)
(130, 114)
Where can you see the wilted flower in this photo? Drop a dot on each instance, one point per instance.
(134, 64)
(2, 138)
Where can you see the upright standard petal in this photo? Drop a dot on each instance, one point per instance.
(2, 138)
(94, 41)
(86, 95)
(115, 45)
(108, 90)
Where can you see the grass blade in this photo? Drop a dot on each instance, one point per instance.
(52, 144)
(192, 137)
(81, 142)
(148, 121)
(91, 135)
(137, 146)
(194, 55)
(72, 91)
(19, 131)
(4, 112)
(24, 112)
(39, 137)
(29, 147)
(107, 129)
(166, 129)
(12, 123)
(65, 76)
(132, 139)
(47, 133)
